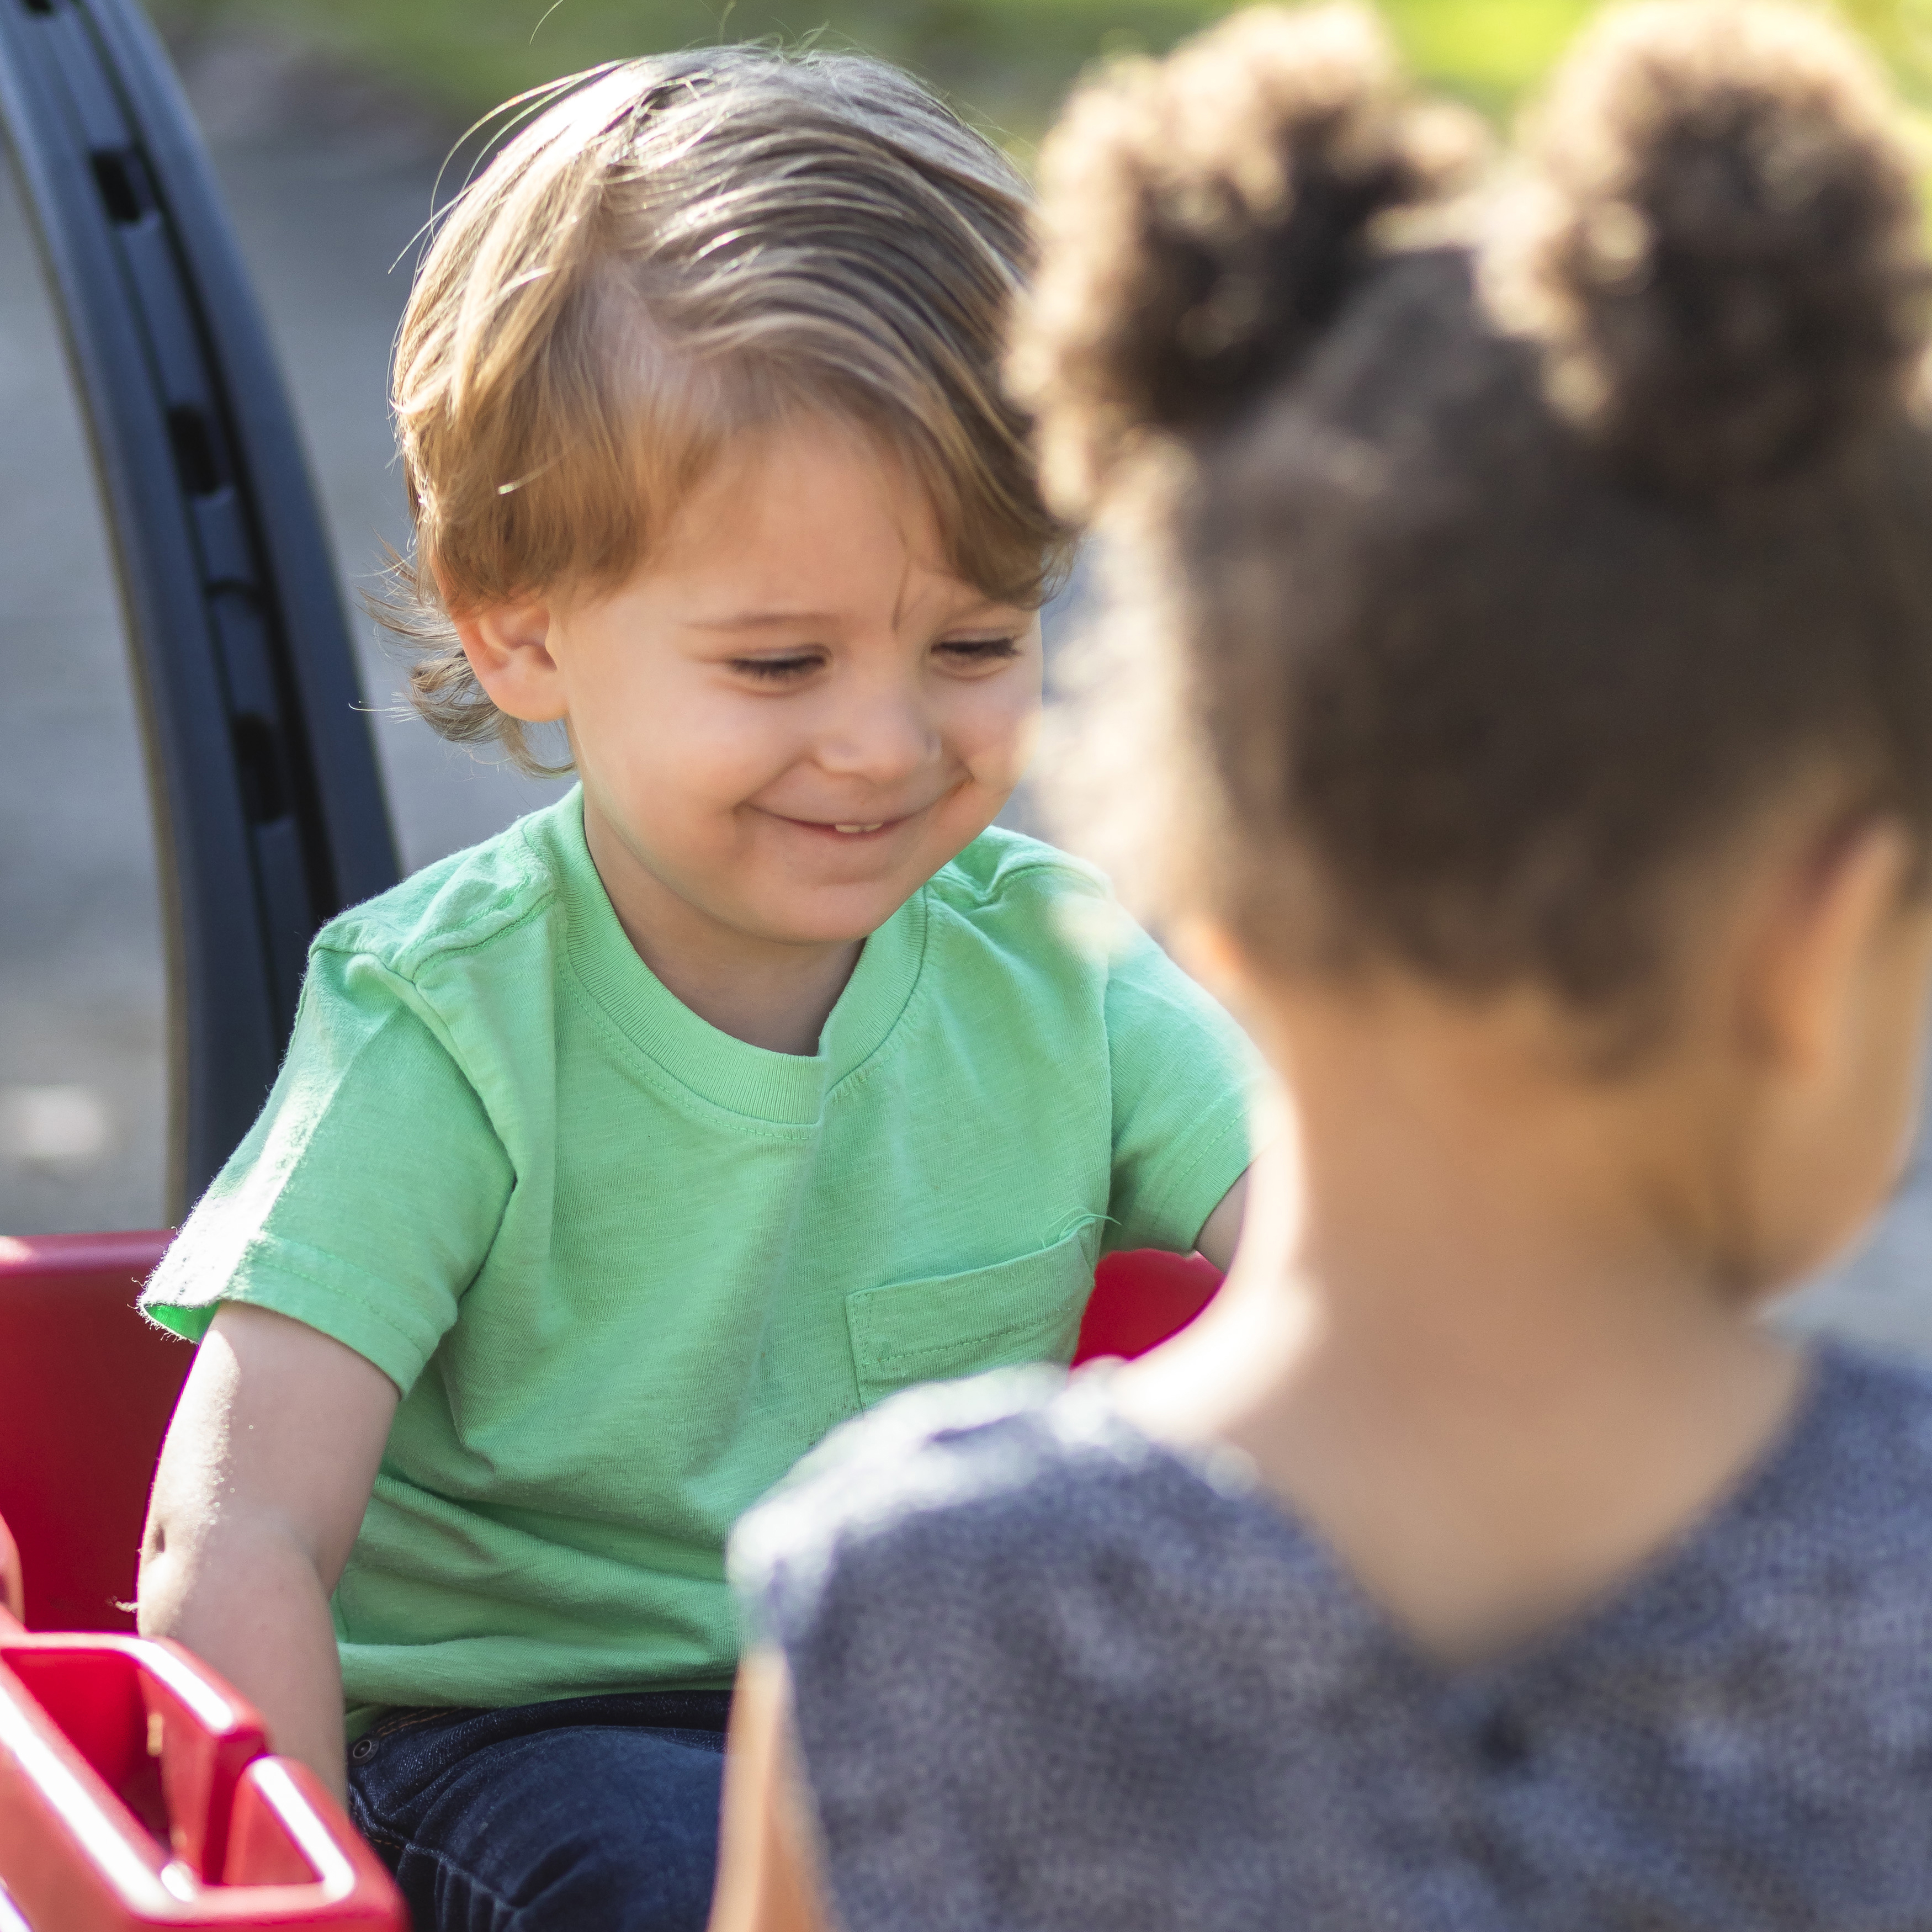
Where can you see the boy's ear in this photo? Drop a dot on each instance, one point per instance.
(507, 646)
(1824, 948)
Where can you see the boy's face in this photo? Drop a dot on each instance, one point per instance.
(793, 715)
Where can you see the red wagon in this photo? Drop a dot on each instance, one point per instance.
(136, 1790)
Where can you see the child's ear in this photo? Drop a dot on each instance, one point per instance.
(507, 646)
(1826, 951)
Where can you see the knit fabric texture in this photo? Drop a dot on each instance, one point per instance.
(1051, 1674)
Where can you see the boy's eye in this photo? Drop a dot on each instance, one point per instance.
(776, 670)
(980, 650)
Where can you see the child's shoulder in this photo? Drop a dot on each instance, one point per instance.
(462, 903)
(940, 1444)
(1033, 896)
(1001, 865)
(1858, 1467)
(1858, 1381)
(1024, 1466)
(1822, 1552)
(1027, 1466)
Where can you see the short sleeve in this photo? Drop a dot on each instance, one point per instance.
(1183, 1073)
(365, 1199)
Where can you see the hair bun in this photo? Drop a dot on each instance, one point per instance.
(1719, 246)
(1202, 218)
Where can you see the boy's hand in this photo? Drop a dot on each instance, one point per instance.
(263, 1481)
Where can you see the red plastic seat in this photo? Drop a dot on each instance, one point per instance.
(86, 1388)
(1142, 1298)
(136, 1788)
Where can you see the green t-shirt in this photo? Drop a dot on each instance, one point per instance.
(626, 1270)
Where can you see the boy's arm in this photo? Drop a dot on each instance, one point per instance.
(264, 1478)
(768, 1878)
(1222, 1232)
(1182, 1080)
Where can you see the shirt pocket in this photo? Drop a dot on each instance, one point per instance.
(1027, 1310)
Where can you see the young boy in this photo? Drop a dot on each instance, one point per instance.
(616, 1161)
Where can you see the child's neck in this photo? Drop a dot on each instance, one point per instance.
(1456, 1354)
(774, 994)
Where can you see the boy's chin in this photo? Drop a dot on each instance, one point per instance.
(822, 911)
(832, 915)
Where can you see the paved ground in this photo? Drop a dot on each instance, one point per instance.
(80, 993)
(324, 210)
(327, 199)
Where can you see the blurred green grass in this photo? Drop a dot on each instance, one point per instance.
(1007, 62)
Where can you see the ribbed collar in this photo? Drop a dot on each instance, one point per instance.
(788, 1088)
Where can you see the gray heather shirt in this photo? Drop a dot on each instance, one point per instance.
(1050, 1675)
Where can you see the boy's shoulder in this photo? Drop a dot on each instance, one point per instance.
(1006, 875)
(1000, 862)
(462, 903)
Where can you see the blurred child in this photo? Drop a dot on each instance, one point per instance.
(1550, 603)
(616, 1161)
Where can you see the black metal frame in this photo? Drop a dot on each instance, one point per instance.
(268, 809)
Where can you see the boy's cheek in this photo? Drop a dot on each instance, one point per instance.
(994, 725)
(998, 753)
(1022, 740)
(683, 765)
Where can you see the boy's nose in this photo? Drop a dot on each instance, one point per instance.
(882, 736)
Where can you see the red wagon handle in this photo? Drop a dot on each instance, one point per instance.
(136, 1792)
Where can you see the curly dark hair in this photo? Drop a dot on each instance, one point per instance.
(1510, 551)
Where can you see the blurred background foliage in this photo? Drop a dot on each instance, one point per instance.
(1007, 62)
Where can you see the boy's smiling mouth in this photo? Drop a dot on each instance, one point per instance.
(902, 815)
(847, 829)
(844, 831)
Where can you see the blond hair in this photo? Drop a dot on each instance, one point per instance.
(676, 250)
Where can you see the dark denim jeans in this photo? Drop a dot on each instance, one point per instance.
(597, 1814)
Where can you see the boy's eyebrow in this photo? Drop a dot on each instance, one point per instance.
(750, 620)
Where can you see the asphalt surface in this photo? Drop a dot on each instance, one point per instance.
(325, 206)
(328, 201)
